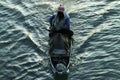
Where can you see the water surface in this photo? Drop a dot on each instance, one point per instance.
(24, 40)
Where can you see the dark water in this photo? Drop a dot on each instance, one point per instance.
(24, 41)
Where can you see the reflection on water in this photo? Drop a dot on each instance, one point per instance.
(61, 77)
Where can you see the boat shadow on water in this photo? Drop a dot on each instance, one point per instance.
(60, 77)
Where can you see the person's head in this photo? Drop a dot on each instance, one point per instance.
(61, 8)
(60, 11)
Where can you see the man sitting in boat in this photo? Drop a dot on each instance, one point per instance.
(59, 47)
(60, 22)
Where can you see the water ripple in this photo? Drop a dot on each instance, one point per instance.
(24, 40)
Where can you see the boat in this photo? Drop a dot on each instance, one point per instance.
(60, 52)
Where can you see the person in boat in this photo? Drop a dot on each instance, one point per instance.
(60, 22)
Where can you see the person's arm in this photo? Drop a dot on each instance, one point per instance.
(67, 23)
(51, 18)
